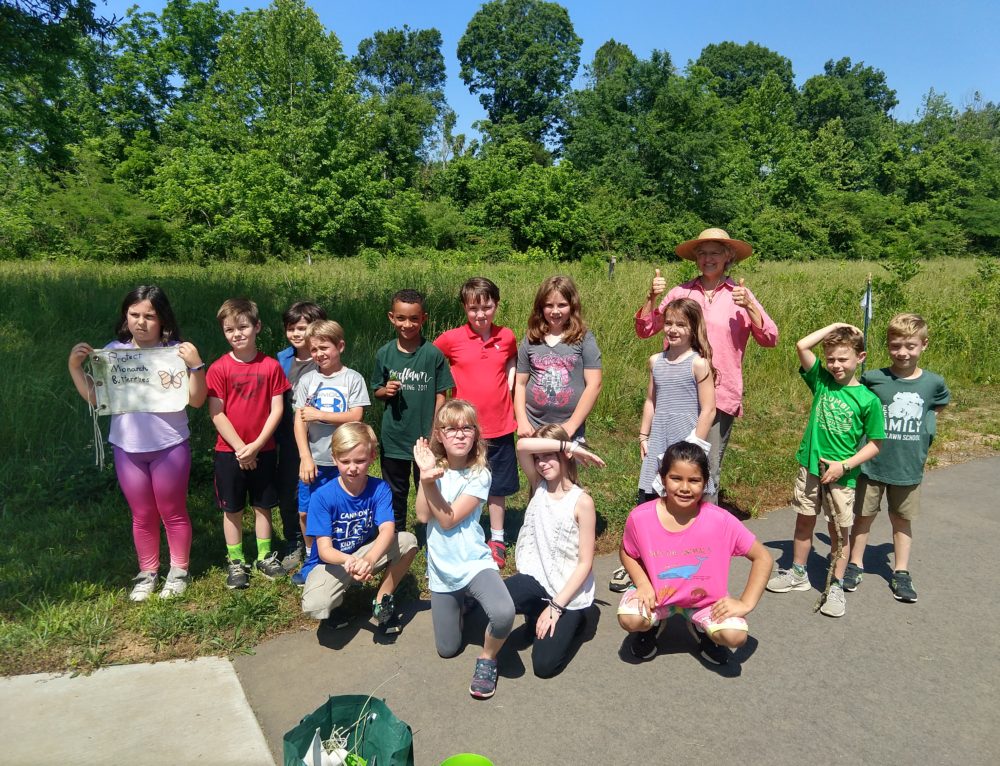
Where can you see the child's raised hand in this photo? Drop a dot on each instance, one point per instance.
(189, 354)
(78, 354)
(392, 386)
(586, 457)
(729, 607)
(424, 458)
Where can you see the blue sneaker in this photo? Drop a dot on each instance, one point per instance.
(299, 579)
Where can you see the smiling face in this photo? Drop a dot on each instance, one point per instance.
(548, 465)
(905, 353)
(842, 362)
(143, 324)
(241, 333)
(326, 353)
(480, 313)
(683, 484)
(556, 312)
(676, 329)
(713, 259)
(408, 319)
(296, 333)
(353, 466)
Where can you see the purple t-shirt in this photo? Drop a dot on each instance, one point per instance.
(691, 568)
(147, 431)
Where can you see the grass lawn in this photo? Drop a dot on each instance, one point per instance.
(66, 553)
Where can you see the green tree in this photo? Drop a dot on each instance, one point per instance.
(741, 68)
(521, 56)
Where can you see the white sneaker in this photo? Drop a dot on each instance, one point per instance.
(143, 585)
(835, 604)
(175, 584)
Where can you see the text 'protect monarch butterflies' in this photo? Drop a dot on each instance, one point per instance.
(171, 379)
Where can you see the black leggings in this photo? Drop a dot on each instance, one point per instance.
(549, 655)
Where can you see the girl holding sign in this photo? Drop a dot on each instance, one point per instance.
(152, 452)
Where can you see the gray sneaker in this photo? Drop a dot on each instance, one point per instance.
(293, 556)
(143, 585)
(836, 603)
(175, 584)
(786, 580)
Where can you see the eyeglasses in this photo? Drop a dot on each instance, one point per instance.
(452, 431)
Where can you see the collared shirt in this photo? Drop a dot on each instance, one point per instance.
(479, 368)
(729, 328)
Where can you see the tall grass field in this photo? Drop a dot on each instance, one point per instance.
(66, 553)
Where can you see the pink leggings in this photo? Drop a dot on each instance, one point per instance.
(155, 485)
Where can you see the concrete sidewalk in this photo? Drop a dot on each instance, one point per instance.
(163, 714)
(889, 683)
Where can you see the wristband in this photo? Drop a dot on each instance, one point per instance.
(846, 468)
(571, 449)
(197, 367)
(556, 607)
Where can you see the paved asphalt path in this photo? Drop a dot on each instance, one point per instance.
(889, 683)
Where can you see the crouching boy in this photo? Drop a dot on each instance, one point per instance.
(351, 520)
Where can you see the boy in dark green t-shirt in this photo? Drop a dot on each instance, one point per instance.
(843, 414)
(910, 398)
(410, 378)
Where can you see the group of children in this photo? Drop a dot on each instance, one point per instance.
(290, 434)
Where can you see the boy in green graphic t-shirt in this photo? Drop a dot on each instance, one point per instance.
(410, 378)
(844, 413)
(910, 398)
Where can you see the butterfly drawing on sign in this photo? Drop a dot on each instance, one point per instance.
(171, 379)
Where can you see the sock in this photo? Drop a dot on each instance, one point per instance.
(496, 534)
(799, 569)
(235, 552)
(263, 548)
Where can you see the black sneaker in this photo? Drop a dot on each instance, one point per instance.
(270, 567)
(338, 619)
(853, 576)
(484, 679)
(384, 612)
(902, 587)
(237, 577)
(643, 644)
(711, 651)
(620, 581)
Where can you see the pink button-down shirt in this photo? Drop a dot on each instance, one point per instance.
(729, 329)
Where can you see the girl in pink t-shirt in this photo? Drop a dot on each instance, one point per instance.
(152, 451)
(677, 550)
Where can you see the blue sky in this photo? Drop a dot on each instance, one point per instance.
(950, 46)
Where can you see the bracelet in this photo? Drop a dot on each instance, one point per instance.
(554, 605)
(197, 367)
(562, 446)
(642, 434)
(847, 468)
(572, 449)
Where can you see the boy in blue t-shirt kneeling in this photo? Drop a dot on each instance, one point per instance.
(351, 520)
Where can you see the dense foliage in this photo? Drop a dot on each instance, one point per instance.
(197, 134)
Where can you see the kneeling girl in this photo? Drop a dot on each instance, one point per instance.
(677, 550)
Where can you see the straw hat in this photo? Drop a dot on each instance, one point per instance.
(686, 250)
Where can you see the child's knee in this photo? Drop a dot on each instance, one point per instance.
(733, 639)
(502, 619)
(633, 623)
(804, 523)
(448, 647)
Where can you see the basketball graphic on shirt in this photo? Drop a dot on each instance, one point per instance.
(328, 399)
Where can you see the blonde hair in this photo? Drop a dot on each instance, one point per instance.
(350, 435)
(458, 412)
(553, 431)
(325, 328)
(234, 308)
(576, 328)
(905, 325)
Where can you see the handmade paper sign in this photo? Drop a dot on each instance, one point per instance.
(139, 380)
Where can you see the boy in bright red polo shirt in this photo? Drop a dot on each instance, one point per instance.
(483, 357)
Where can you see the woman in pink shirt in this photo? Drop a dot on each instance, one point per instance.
(732, 316)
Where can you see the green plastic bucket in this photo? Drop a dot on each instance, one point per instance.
(467, 759)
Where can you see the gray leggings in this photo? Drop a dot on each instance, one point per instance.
(446, 611)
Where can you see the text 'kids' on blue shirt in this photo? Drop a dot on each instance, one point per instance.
(348, 521)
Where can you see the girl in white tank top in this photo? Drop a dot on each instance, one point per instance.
(554, 584)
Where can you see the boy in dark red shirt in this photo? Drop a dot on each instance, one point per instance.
(483, 357)
(245, 389)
